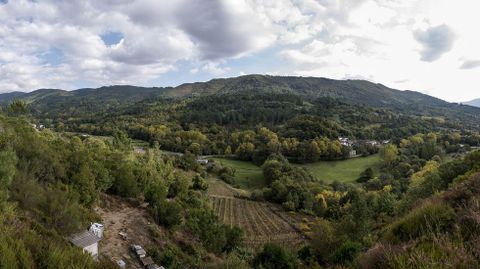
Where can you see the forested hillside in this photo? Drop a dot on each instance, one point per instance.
(308, 88)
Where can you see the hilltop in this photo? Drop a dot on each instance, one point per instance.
(475, 103)
(355, 92)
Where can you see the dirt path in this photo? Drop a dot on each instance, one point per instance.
(118, 216)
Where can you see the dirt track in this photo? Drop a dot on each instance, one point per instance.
(118, 216)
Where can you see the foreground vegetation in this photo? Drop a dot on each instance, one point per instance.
(51, 182)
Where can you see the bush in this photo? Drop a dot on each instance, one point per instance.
(168, 214)
(346, 252)
(427, 219)
(274, 257)
(199, 183)
(234, 238)
(324, 240)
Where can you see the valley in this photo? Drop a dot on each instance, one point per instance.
(239, 134)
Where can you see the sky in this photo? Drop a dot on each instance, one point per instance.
(431, 46)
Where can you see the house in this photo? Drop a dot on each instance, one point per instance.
(87, 241)
(202, 161)
(352, 154)
(345, 141)
(372, 142)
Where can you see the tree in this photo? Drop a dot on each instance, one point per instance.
(366, 175)
(195, 149)
(17, 107)
(245, 151)
(389, 154)
(121, 141)
(125, 183)
(167, 213)
(8, 160)
(198, 183)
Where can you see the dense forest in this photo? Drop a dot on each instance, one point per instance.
(62, 152)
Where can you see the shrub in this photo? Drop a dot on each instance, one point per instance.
(274, 257)
(346, 252)
(427, 219)
(168, 214)
(324, 240)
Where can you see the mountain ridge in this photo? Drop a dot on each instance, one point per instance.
(475, 102)
(307, 86)
(357, 92)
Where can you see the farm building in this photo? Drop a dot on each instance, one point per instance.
(87, 241)
(202, 161)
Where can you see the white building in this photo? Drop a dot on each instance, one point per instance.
(97, 229)
(202, 161)
(87, 241)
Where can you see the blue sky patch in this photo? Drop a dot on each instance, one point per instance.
(53, 56)
(111, 38)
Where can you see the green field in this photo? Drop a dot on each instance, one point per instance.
(247, 175)
(343, 171)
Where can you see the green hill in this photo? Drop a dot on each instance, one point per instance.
(356, 92)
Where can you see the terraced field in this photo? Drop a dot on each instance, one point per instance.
(261, 222)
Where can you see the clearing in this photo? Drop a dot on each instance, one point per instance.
(250, 177)
(342, 171)
(119, 216)
(247, 175)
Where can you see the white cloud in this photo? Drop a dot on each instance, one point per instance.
(436, 41)
(157, 34)
(379, 40)
(470, 64)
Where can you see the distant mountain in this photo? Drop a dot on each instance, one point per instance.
(8, 97)
(354, 91)
(358, 92)
(475, 103)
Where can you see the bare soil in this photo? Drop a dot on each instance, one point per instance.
(119, 216)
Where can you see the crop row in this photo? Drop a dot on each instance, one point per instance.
(258, 221)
